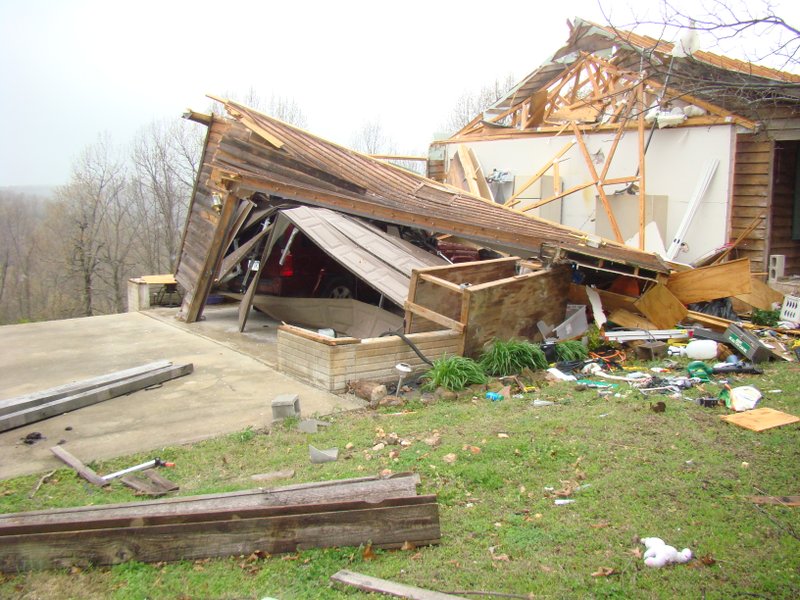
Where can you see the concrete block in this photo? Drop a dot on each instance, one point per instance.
(285, 406)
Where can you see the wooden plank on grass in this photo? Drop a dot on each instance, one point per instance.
(101, 394)
(661, 307)
(709, 283)
(388, 524)
(761, 419)
(368, 489)
(88, 474)
(389, 588)
(19, 403)
(777, 500)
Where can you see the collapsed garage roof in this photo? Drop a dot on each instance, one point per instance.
(252, 153)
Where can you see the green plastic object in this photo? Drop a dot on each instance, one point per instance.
(699, 370)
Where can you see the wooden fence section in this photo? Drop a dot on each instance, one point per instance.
(387, 512)
(329, 363)
(487, 300)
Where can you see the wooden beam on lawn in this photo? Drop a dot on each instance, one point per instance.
(276, 529)
(513, 201)
(603, 198)
(367, 583)
(88, 474)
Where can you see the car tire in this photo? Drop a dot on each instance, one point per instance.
(338, 287)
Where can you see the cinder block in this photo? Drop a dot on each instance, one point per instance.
(284, 406)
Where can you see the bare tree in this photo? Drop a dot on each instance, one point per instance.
(753, 30)
(281, 107)
(98, 180)
(165, 158)
(471, 103)
(19, 216)
(371, 139)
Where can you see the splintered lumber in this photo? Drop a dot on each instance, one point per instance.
(75, 401)
(149, 483)
(661, 307)
(104, 538)
(389, 588)
(88, 474)
(12, 405)
(709, 283)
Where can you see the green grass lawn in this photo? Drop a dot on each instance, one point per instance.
(683, 475)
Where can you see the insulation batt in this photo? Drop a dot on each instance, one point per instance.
(658, 554)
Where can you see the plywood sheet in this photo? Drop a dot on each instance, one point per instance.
(761, 419)
(709, 283)
(511, 308)
(762, 296)
(661, 307)
(625, 318)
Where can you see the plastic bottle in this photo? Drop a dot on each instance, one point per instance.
(701, 349)
(494, 396)
(697, 350)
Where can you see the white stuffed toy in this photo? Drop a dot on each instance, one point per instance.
(658, 554)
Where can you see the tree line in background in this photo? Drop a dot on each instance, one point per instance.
(122, 213)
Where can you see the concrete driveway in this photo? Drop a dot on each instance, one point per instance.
(231, 388)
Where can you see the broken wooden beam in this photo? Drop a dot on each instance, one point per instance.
(108, 537)
(38, 412)
(88, 474)
(367, 583)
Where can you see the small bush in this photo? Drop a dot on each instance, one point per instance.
(571, 350)
(769, 318)
(454, 373)
(510, 357)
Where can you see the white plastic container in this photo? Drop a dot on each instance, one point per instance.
(701, 349)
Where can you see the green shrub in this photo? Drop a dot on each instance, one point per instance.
(510, 357)
(769, 318)
(454, 373)
(571, 350)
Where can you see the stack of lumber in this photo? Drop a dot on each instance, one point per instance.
(350, 512)
(22, 410)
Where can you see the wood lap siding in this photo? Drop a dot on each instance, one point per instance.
(201, 221)
(751, 196)
(783, 193)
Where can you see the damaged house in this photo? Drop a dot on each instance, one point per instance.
(371, 242)
(632, 139)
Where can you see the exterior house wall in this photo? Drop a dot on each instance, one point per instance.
(676, 160)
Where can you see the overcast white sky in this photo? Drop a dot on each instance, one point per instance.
(72, 70)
